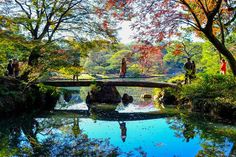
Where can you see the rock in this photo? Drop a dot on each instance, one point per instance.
(126, 99)
(17, 98)
(146, 96)
(103, 94)
(166, 98)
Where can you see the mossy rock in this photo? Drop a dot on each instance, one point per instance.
(104, 94)
(17, 98)
(167, 98)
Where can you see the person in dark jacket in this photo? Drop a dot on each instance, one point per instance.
(188, 67)
(10, 68)
(16, 67)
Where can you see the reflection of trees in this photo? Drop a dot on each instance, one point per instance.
(21, 138)
(233, 151)
(14, 133)
(213, 137)
(211, 148)
(75, 128)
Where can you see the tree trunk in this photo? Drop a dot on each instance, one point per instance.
(223, 50)
(34, 56)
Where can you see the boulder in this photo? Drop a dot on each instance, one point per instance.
(103, 94)
(166, 98)
(17, 98)
(126, 99)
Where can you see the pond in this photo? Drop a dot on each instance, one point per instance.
(126, 134)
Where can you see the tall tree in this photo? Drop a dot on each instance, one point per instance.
(156, 20)
(48, 20)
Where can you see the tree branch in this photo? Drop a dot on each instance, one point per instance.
(211, 15)
(192, 12)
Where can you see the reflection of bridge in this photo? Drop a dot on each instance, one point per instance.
(108, 115)
(117, 82)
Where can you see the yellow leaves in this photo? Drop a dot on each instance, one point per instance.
(211, 4)
(216, 30)
(199, 34)
(110, 4)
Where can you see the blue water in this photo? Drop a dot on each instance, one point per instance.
(162, 137)
(154, 136)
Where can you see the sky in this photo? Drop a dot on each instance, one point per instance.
(125, 33)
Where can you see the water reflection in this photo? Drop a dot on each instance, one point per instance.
(76, 129)
(132, 100)
(123, 130)
(72, 135)
(128, 105)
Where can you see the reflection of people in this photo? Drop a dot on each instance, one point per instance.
(123, 68)
(10, 68)
(123, 130)
(16, 67)
(223, 67)
(188, 71)
(76, 130)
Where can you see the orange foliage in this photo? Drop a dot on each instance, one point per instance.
(105, 24)
(149, 54)
(110, 4)
(177, 52)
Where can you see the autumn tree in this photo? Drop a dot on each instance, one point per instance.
(151, 57)
(159, 20)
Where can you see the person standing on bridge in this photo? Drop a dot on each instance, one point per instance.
(10, 68)
(123, 68)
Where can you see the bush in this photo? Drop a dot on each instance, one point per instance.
(216, 87)
(177, 79)
(134, 71)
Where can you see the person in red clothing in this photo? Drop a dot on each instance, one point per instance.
(223, 67)
(123, 68)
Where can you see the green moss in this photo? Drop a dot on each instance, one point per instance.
(177, 79)
(49, 89)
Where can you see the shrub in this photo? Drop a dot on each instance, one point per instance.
(211, 86)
